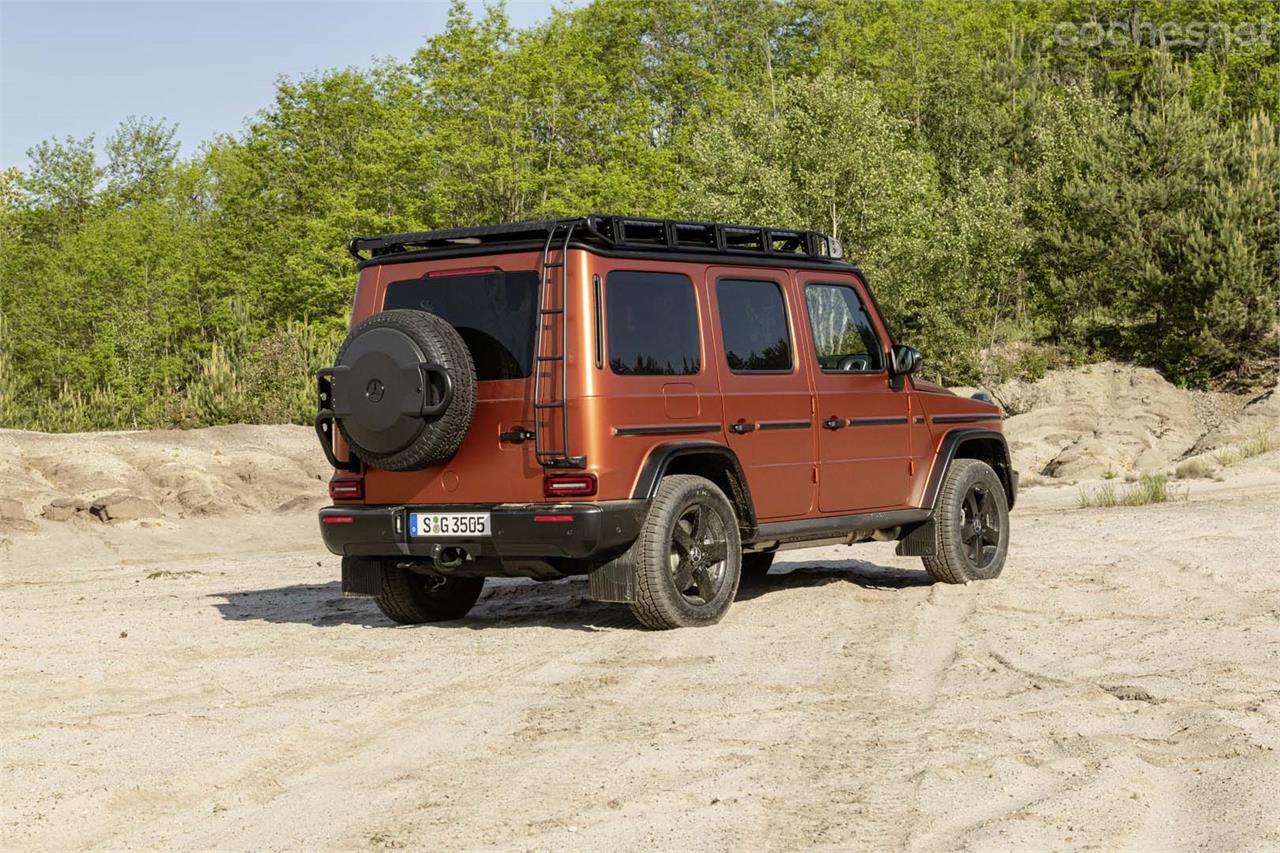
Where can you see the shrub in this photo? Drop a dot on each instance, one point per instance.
(1150, 489)
(218, 394)
(1256, 445)
(280, 371)
(1193, 469)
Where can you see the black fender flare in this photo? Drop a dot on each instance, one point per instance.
(949, 449)
(661, 457)
(918, 540)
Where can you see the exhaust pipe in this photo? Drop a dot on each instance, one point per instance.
(447, 558)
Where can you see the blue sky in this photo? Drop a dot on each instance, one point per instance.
(80, 67)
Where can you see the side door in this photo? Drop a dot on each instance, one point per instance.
(864, 436)
(764, 388)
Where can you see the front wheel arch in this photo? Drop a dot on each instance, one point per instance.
(985, 445)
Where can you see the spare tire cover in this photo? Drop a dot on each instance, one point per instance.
(394, 414)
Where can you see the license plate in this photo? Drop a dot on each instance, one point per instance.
(449, 524)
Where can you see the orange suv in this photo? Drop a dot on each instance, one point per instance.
(659, 405)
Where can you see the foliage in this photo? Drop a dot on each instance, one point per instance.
(1256, 445)
(1150, 489)
(1003, 190)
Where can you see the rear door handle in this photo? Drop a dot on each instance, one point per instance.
(742, 426)
(834, 423)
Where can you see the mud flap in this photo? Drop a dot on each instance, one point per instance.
(919, 541)
(614, 582)
(361, 578)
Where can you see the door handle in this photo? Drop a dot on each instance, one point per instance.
(834, 423)
(742, 426)
(518, 435)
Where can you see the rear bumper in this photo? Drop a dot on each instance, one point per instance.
(579, 531)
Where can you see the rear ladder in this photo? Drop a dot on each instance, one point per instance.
(550, 385)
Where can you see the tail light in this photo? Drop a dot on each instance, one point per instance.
(346, 489)
(569, 485)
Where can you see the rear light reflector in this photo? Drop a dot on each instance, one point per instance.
(569, 485)
(346, 490)
(563, 519)
(336, 519)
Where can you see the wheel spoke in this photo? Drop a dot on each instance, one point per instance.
(706, 586)
(991, 536)
(715, 551)
(682, 540)
(699, 523)
(684, 574)
(967, 532)
(971, 504)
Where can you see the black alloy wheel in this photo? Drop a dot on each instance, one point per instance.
(698, 553)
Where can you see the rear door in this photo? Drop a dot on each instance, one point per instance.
(864, 447)
(764, 387)
(492, 303)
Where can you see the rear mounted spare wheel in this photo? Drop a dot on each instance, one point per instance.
(404, 390)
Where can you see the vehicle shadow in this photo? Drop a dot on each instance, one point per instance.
(801, 573)
(514, 603)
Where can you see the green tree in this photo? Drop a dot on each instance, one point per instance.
(141, 156)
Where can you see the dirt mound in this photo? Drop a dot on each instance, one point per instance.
(1100, 420)
(125, 476)
(1113, 419)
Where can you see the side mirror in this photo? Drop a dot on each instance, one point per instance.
(904, 360)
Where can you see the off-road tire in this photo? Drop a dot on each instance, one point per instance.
(412, 598)
(952, 563)
(755, 564)
(658, 603)
(438, 438)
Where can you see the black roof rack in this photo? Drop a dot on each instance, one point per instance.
(616, 232)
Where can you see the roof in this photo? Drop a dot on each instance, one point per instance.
(652, 237)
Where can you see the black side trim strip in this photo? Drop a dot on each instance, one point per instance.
(666, 429)
(919, 419)
(965, 419)
(817, 528)
(854, 422)
(786, 424)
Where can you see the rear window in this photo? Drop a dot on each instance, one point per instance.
(492, 311)
(753, 322)
(653, 324)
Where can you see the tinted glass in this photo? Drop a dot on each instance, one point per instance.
(843, 335)
(753, 321)
(493, 312)
(653, 324)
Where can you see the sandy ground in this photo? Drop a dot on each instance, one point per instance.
(202, 684)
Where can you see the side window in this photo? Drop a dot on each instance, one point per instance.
(843, 335)
(653, 324)
(753, 322)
